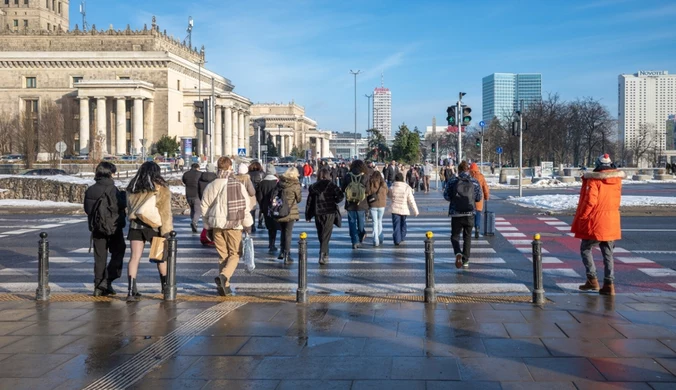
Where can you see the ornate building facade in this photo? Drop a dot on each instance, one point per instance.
(115, 87)
(289, 128)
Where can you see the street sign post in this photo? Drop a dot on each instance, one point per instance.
(481, 147)
(60, 148)
(498, 150)
(241, 152)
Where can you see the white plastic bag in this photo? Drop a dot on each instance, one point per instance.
(248, 253)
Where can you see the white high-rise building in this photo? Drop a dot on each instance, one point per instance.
(645, 98)
(382, 111)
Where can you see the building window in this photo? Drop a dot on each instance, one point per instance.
(6, 2)
(76, 79)
(16, 24)
(53, 5)
(123, 78)
(25, 2)
(179, 116)
(16, 2)
(59, 8)
(47, 4)
(25, 23)
(49, 26)
(31, 82)
(178, 86)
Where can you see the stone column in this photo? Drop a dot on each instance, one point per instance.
(149, 123)
(282, 149)
(84, 125)
(218, 132)
(137, 125)
(235, 133)
(121, 126)
(227, 135)
(240, 132)
(101, 123)
(247, 136)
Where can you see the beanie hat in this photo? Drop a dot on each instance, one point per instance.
(473, 167)
(270, 170)
(242, 169)
(603, 160)
(211, 167)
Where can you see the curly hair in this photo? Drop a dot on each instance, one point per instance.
(358, 167)
(147, 177)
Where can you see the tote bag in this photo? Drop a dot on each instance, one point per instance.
(149, 214)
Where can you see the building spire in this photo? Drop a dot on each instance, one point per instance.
(382, 81)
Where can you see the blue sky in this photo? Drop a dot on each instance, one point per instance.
(303, 50)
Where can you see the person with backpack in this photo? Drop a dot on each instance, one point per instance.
(354, 187)
(322, 205)
(105, 207)
(149, 207)
(256, 175)
(227, 203)
(264, 194)
(403, 201)
(462, 191)
(284, 208)
(485, 192)
(376, 197)
(191, 181)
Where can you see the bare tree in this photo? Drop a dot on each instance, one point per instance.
(71, 124)
(26, 135)
(50, 129)
(643, 145)
(6, 132)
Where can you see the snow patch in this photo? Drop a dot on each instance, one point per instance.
(37, 203)
(59, 178)
(562, 202)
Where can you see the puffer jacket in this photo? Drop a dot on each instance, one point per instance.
(191, 181)
(331, 194)
(106, 185)
(218, 213)
(205, 179)
(484, 187)
(351, 206)
(291, 194)
(402, 198)
(250, 190)
(163, 201)
(380, 193)
(264, 192)
(598, 210)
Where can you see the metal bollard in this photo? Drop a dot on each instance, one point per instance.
(538, 290)
(170, 288)
(430, 293)
(42, 293)
(301, 293)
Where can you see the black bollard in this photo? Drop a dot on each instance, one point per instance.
(301, 293)
(538, 290)
(170, 288)
(430, 293)
(42, 293)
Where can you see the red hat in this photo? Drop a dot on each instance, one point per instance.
(473, 167)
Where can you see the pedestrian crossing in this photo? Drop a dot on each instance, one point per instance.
(11, 228)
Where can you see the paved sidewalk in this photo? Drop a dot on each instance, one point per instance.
(572, 342)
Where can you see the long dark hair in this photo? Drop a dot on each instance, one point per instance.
(147, 177)
(324, 174)
(357, 167)
(375, 182)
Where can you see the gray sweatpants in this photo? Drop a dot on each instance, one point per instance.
(195, 209)
(607, 247)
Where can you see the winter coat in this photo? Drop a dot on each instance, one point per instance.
(250, 190)
(94, 192)
(332, 195)
(351, 206)
(291, 194)
(484, 188)
(264, 192)
(390, 173)
(256, 178)
(402, 198)
(598, 210)
(307, 170)
(163, 202)
(219, 213)
(205, 179)
(380, 193)
(191, 181)
(450, 189)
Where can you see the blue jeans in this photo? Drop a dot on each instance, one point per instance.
(377, 217)
(398, 228)
(477, 219)
(355, 220)
(306, 181)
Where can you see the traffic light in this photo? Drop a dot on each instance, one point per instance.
(202, 115)
(451, 116)
(434, 147)
(515, 129)
(466, 118)
(478, 142)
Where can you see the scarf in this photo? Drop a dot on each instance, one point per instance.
(236, 201)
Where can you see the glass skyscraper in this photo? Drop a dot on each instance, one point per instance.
(503, 91)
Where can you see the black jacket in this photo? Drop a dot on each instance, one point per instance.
(390, 173)
(350, 206)
(102, 186)
(264, 191)
(332, 195)
(256, 178)
(205, 179)
(191, 180)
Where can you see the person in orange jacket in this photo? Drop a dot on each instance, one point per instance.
(476, 173)
(597, 221)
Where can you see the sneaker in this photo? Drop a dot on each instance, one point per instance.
(193, 227)
(458, 260)
(465, 264)
(356, 246)
(220, 284)
(272, 250)
(110, 290)
(227, 292)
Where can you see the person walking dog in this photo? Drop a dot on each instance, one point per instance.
(597, 221)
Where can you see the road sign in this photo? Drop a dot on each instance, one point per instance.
(482, 124)
(61, 147)
(241, 152)
(498, 150)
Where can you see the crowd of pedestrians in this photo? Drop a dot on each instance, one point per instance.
(234, 202)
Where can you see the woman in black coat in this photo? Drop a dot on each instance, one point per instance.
(256, 174)
(322, 204)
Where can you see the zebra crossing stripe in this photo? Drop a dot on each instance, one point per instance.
(567, 272)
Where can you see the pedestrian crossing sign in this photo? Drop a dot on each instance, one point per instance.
(241, 152)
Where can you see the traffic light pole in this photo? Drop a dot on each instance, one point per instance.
(521, 150)
(458, 121)
(481, 151)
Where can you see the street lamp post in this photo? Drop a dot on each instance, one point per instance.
(368, 114)
(279, 143)
(356, 151)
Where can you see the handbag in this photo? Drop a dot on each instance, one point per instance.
(158, 253)
(374, 196)
(148, 212)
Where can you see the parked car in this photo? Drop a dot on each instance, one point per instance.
(45, 172)
(13, 158)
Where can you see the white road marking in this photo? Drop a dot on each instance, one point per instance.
(547, 219)
(555, 223)
(512, 235)
(21, 231)
(633, 260)
(520, 242)
(506, 228)
(658, 272)
(530, 250)
(567, 272)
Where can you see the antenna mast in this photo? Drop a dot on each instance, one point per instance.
(83, 11)
(188, 39)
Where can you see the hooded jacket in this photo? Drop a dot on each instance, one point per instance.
(402, 198)
(94, 192)
(264, 191)
(476, 174)
(598, 210)
(163, 202)
(291, 194)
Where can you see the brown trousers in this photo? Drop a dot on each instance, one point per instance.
(229, 247)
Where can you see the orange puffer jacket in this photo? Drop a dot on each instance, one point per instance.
(598, 210)
(475, 173)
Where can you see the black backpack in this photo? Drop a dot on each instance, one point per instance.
(463, 197)
(103, 220)
(279, 208)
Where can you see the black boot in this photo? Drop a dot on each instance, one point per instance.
(110, 290)
(282, 255)
(163, 282)
(323, 258)
(132, 293)
(287, 257)
(476, 233)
